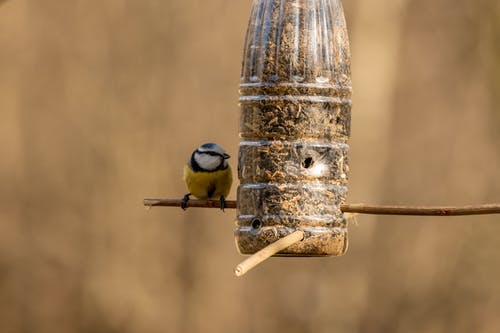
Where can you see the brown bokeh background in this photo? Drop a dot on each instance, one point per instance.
(101, 103)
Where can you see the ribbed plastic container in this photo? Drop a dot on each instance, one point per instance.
(295, 121)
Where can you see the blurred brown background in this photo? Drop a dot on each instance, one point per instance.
(101, 103)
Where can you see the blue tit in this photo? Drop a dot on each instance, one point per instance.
(208, 174)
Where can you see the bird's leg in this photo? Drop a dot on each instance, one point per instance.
(222, 202)
(184, 201)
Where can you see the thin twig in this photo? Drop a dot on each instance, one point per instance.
(268, 251)
(353, 208)
(422, 210)
(151, 202)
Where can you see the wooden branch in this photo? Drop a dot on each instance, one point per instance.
(422, 210)
(353, 208)
(151, 202)
(268, 251)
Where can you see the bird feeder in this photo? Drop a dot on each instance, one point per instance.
(295, 122)
(295, 103)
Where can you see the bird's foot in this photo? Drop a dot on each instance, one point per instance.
(184, 201)
(222, 202)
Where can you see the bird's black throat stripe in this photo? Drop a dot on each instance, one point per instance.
(211, 191)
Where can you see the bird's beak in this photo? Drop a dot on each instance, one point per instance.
(226, 156)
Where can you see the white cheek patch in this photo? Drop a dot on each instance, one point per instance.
(207, 162)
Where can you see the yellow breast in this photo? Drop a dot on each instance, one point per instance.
(208, 185)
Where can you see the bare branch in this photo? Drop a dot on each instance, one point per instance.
(151, 202)
(422, 210)
(353, 208)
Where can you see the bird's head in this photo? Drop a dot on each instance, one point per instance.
(209, 157)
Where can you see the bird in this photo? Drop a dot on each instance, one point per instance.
(208, 174)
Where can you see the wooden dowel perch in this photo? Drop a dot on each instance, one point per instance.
(353, 208)
(268, 251)
(151, 202)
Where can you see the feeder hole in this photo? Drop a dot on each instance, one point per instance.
(308, 162)
(256, 224)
